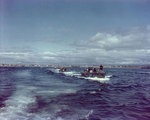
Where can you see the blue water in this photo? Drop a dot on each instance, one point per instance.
(45, 94)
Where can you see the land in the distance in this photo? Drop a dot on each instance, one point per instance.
(96, 66)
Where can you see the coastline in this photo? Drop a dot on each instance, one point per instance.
(78, 66)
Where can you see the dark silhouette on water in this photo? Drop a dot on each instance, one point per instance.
(100, 67)
(63, 70)
(92, 72)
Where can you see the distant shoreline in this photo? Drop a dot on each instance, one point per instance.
(78, 66)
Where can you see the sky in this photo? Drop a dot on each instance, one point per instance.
(75, 32)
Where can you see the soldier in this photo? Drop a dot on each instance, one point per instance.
(100, 67)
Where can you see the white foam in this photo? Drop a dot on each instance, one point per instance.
(16, 105)
(71, 73)
(102, 80)
(67, 73)
(25, 73)
(78, 75)
(93, 92)
(145, 72)
(55, 70)
(89, 113)
(56, 91)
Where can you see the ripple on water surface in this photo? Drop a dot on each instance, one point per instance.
(37, 94)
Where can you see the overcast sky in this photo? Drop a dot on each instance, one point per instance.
(75, 32)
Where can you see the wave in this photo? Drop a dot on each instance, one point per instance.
(67, 73)
(54, 70)
(17, 106)
(144, 72)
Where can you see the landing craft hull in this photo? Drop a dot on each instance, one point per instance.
(96, 74)
(63, 70)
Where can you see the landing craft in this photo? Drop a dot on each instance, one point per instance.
(90, 72)
(63, 70)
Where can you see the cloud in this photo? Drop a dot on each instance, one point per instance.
(133, 39)
(79, 57)
(129, 47)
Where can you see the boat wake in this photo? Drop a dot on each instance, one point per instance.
(16, 106)
(72, 73)
(42, 94)
(54, 70)
(101, 80)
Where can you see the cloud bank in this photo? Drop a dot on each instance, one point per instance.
(134, 39)
(128, 47)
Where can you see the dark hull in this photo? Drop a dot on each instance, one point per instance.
(63, 70)
(93, 74)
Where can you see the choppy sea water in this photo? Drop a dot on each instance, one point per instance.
(46, 94)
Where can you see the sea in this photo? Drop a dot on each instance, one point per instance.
(44, 93)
